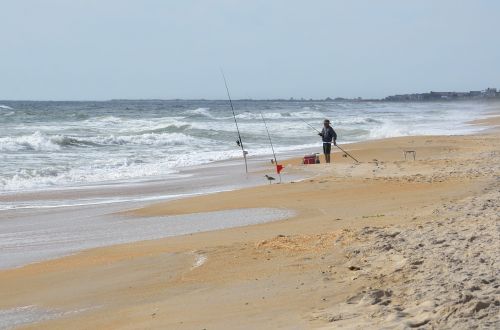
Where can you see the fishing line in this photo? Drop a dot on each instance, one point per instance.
(240, 141)
(272, 147)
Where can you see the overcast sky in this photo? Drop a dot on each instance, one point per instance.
(103, 49)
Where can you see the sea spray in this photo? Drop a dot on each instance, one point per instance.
(56, 144)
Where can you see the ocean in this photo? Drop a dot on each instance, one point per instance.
(46, 145)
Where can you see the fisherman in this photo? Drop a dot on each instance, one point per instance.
(328, 136)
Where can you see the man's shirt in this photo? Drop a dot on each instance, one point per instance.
(328, 134)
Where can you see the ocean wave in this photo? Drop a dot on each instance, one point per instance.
(388, 130)
(273, 115)
(106, 119)
(356, 121)
(307, 114)
(202, 112)
(148, 139)
(173, 128)
(124, 168)
(43, 142)
(36, 142)
(111, 171)
(2, 106)
(61, 149)
(251, 115)
(280, 115)
(123, 126)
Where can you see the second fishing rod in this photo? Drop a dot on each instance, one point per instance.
(345, 152)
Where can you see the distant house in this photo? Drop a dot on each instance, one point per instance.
(490, 92)
(437, 96)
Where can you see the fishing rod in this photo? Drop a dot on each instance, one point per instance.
(240, 141)
(314, 128)
(357, 161)
(278, 167)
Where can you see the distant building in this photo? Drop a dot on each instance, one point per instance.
(436, 96)
(490, 92)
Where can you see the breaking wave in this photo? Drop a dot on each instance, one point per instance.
(280, 115)
(111, 171)
(36, 142)
(201, 112)
(70, 144)
(148, 139)
(307, 114)
(43, 142)
(388, 130)
(356, 121)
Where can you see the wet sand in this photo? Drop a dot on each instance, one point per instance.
(51, 235)
(387, 242)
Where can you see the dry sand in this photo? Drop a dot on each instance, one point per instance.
(387, 243)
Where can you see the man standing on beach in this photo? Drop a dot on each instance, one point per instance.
(328, 136)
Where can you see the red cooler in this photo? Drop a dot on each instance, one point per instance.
(309, 159)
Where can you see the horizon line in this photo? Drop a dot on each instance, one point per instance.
(301, 99)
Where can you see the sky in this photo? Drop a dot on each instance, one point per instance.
(138, 49)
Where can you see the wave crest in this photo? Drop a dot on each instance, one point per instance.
(150, 139)
(42, 142)
(202, 112)
(36, 142)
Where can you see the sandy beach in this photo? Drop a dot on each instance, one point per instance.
(386, 243)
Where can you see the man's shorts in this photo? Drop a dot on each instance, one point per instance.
(327, 147)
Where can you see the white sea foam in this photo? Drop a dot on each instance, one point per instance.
(110, 170)
(357, 120)
(201, 112)
(307, 114)
(148, 139)
(133, 125)
(279, 115)
(43, 142)
(36, 141)
(388, 130)
(107, 120)
(120, 169)
(5, 107)
(87, 147)
(200, 260)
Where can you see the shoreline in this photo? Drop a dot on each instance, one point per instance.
(294, 170)
(284, 263)
(108, 190)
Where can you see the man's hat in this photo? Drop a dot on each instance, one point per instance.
(326, 121)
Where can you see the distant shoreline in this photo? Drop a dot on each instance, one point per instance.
(337, 100)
